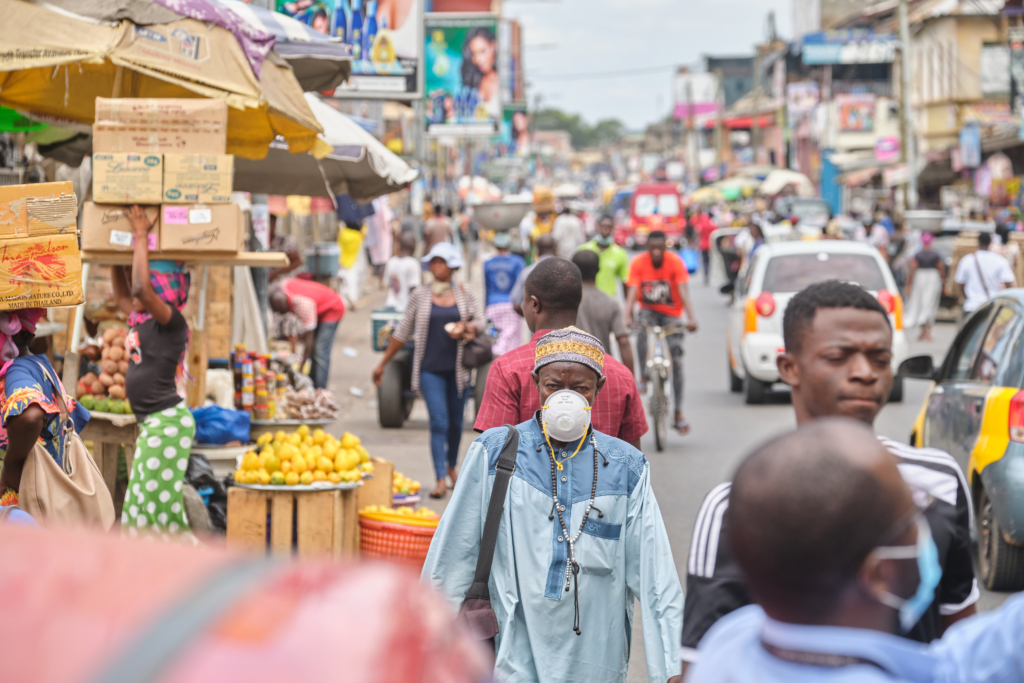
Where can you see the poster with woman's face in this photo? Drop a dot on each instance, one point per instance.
(461, 74)
(383, 35)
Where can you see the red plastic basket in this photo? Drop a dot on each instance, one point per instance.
(398, 543)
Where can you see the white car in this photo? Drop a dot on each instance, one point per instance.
(776, 273)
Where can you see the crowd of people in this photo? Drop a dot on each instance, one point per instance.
(580, 535)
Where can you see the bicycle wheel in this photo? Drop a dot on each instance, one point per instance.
(659, 410)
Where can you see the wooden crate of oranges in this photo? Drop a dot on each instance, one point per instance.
(298, 515)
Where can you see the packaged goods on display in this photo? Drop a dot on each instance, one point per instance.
(105, 227)
(120, 178)
(160, 125)
(201, 227)
(303, 457)
(40, 272)
(191, 178)
(262, 389)
(38, 209)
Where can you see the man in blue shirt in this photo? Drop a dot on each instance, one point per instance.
(500, 274)
(838, 567)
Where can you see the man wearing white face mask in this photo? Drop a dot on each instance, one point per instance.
(838, 570)
(580, 536)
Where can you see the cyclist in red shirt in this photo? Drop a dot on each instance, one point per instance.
(658, 281)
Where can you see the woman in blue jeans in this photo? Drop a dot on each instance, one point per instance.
(439, 319)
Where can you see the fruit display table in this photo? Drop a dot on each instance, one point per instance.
(107, 432)
(259, 427)
(377, 490)
(310, 521)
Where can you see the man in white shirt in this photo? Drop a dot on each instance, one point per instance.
(982, 274)
(402, 272)
(568, 233)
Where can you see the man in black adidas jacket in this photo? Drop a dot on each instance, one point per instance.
(838, 361)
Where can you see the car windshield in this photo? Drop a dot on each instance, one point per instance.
(662, 204)
(794, 272)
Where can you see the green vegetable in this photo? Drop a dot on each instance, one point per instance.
(102, 405)
(128, 408)
(117, 407)
(88, 402)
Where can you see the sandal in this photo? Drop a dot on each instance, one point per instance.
(439, 493)
(683, 427)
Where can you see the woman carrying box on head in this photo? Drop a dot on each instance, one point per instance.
(155, 388)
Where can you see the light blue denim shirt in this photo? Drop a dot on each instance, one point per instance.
(988, 648)
(624, 555)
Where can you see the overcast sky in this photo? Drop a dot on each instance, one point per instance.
(585, 36)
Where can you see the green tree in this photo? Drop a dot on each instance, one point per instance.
(605, 131)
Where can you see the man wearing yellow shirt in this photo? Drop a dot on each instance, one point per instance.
(614, 259)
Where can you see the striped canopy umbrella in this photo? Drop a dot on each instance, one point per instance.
(319, 61)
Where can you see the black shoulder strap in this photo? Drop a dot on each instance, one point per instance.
(504, 468)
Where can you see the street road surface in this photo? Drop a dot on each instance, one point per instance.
(723, 429)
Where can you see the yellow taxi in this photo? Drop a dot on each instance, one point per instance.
(975, 412)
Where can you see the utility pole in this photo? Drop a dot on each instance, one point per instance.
(719, 115)
(692, 164)
(909, 140)
(755, 126)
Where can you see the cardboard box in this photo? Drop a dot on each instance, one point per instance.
(160, 125)
(105, 227)
(38, 209)
(201, 227)
(127, 178)
(192, 178)
(40, 272)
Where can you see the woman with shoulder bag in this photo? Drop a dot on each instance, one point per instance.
(33, 402)
(440, 319)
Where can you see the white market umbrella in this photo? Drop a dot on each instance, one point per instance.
(359, 164)
(778, 179)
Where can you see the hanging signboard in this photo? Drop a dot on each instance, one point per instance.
(385, 39)
(970, 146)
(1015, 35)
(852, 46)
(801, 98)
(460, 78)
(856, 113)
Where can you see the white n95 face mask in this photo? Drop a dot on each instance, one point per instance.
(566, 415)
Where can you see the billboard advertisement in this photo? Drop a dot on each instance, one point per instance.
(696, 94)
(462, 87)
(856, 113)
(514, 135)
(385, 39)
(801, 99)
(849, 46)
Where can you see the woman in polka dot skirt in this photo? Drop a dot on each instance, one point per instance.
(156, 344)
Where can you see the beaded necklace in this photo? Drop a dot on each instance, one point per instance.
(572, 568)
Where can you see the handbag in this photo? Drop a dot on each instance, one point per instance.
(476, 611)
(71, 494)
(477, 351)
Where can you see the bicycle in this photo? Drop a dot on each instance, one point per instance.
(659, 371)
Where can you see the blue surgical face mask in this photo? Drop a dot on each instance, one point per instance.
(927, 555)
(605, 241)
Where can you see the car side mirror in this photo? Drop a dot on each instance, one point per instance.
(728, 288)
(917, 367)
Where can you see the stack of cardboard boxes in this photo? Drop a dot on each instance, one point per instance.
(167, 155)
(40, 263)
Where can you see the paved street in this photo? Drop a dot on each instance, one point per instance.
(724, 428)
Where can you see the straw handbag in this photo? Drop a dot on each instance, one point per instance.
(70, 495)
